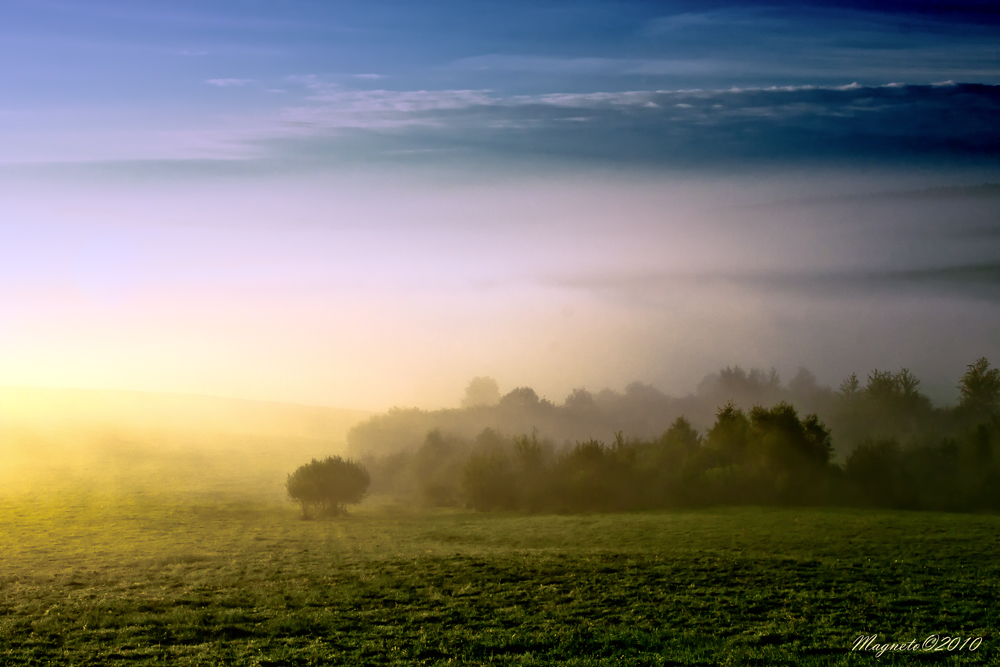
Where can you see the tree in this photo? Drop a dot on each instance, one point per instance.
(328, 485)
(670, 461)
(520, 397)
(481, 391)
(757, 386)
(681, 436)
(850, 388)
(897, 392)
(490, 482)
(790, 443)
(580, 400)
(436, 466)
(730, 434)
(980, 390)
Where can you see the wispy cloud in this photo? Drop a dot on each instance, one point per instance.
(598, 66)
(806, 121)
(670, 128)
(229, 83)
(335, 107)
(872, 62)
(404, 102)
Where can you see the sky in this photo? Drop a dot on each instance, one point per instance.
(367, 204)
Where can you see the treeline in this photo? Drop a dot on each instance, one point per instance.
(904, 453)
(640, 411)
(887, 405)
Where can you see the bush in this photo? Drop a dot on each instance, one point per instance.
(490, 482)
(328, 485)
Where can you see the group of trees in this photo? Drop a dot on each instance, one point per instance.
(896, 449)
(926, 458)
(769, 455)
(766, 455)
(642, 411)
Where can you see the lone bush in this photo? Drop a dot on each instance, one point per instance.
(328, 485)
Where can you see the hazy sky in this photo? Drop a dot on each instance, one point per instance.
(367, 204)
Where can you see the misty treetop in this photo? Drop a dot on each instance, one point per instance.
(979, 391)
(481, 391)
(884, 404)
(640, 411)
(896, 448)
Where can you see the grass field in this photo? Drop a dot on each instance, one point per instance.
(192, 579)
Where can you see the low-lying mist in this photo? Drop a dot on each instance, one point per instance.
(134, 444)
(742, 436)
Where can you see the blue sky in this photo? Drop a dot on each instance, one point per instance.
(366, 204)
(177, 80)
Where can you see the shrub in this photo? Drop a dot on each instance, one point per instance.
(328, 485)
(490, 482)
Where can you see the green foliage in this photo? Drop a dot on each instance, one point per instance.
(730, 435)
(955, 474)
(980, 391)
(890, 405)
(490, 482)
(681, 438)
(766, 457)
(786, 442)
(772, 456)
(875, 467)
(529, 453)
(328, 485)
(591, 477)
(436, 469)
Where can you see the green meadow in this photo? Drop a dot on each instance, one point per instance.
(169, 540)
(187, 579)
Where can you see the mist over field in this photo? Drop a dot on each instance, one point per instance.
(60, 443)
